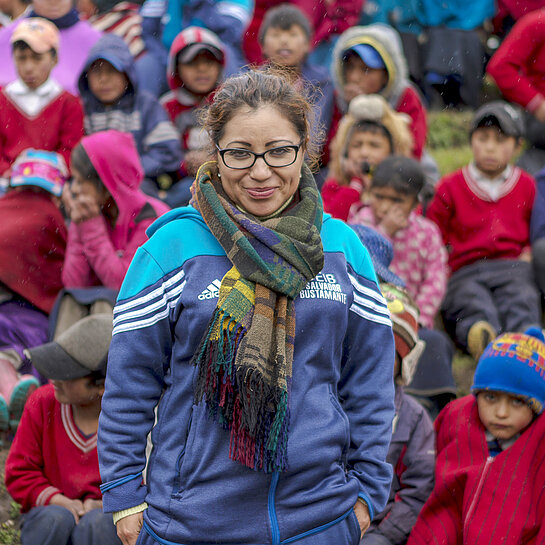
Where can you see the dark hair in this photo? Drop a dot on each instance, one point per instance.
(257, 88)
(79, 160)
(373, 127)
(402, 174)
(21, 45)
(284, 17)
(97, 378)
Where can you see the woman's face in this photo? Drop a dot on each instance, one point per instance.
(260, 190)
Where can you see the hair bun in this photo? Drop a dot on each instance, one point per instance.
(369, 107)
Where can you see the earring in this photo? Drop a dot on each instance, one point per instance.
(219, 176)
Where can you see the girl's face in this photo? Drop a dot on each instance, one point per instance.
(82, 188)
(261, 189)
(371, 147)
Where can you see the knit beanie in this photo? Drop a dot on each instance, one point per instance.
(45, 169)
(404, 314)
(514, 363)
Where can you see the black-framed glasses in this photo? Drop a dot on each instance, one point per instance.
(240, 158)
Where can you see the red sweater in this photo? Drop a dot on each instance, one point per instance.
(50, 455)
(476, 228)
(478, 499)
(409, 103)
(339, 198)
(58, 127)
(518, 65)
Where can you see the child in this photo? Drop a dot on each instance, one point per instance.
(483, 212)
(489, 477)
(35, 111)
(370, 60)
(370, 132)
(32, 246)
(419, 255)
(411, 451)
(109, 215)
(195, 69)
(111, 100)
(285, 37)
(52, 466)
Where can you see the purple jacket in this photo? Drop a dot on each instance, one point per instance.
(412, 455)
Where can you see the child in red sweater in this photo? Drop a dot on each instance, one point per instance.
(489, 476)
(35, 111)
(483, 212)
(52, 467)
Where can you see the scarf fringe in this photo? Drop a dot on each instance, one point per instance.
(255, 413)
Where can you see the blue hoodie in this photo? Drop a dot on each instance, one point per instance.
(136, 111)
(341, 404)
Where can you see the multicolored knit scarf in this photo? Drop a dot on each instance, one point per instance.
(245, 356)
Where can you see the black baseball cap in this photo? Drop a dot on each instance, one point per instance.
(504, 115)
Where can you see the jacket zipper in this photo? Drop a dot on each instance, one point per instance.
(479, 487)
(272, 509)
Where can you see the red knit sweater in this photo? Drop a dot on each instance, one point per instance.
(58, 127)
(481, 500)
(50, 455)
(476, 228)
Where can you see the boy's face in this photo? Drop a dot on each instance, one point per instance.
(372, 147)
(33, 68)
(503, 415)
(492, 150)
(201, 75)
(286, 47)
(360, 79)
(382, 199)
(78, 391)
(106, 82)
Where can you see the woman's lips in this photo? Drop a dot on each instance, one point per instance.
(260, 192)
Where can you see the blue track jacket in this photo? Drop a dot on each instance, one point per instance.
(342, 397)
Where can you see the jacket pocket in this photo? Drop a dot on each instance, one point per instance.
(346, 425)
(179, 481)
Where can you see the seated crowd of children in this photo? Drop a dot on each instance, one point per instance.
(100, 135)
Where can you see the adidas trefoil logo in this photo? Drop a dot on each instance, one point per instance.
(211, 291)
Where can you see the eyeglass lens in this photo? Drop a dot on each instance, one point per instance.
(276, 157)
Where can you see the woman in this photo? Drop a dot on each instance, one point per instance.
(262, 338)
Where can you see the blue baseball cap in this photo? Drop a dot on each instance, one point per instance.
(368, 54)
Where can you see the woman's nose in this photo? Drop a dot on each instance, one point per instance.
(260, 170)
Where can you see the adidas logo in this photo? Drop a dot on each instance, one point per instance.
(211, 291)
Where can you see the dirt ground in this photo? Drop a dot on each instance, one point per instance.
(9, 534)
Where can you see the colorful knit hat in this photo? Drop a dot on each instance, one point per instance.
(404, 314)
(514, 363)
(45, 169)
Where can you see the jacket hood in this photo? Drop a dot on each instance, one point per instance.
(113, 49)
(388, 44)
(116, 160)
(190, 36)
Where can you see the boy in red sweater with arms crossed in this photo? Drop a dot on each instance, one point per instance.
(489, 475)
(35, 111)
(52, 468)
(483, 212)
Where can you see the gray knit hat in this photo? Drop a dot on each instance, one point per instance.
(81, 350)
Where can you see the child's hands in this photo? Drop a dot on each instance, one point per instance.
(351, 90)
(74, 506)
(81, 207)
(194, 159)
(89, 504)
(394, 220)
(362, 514)
(539, 114)
(128, 528)
(352, 169)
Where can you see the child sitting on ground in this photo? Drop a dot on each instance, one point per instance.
(367, 134)
(32, 246)
(195, 69)
(52, 467)
(35, 111)
(489, 477)
(411, 451)
(483, 212)
(109, 217)
(285, 37)
(112, 100)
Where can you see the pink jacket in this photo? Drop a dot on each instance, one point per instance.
(98, 254)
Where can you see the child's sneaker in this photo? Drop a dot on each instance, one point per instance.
(26, 385)
(480, 334)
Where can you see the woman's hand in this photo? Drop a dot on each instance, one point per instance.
(128, 528)
(74, 506)
(362, 514)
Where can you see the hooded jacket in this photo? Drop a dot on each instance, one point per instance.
(399, 92)
(341, 400)
(136, 112)
(97, 253)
